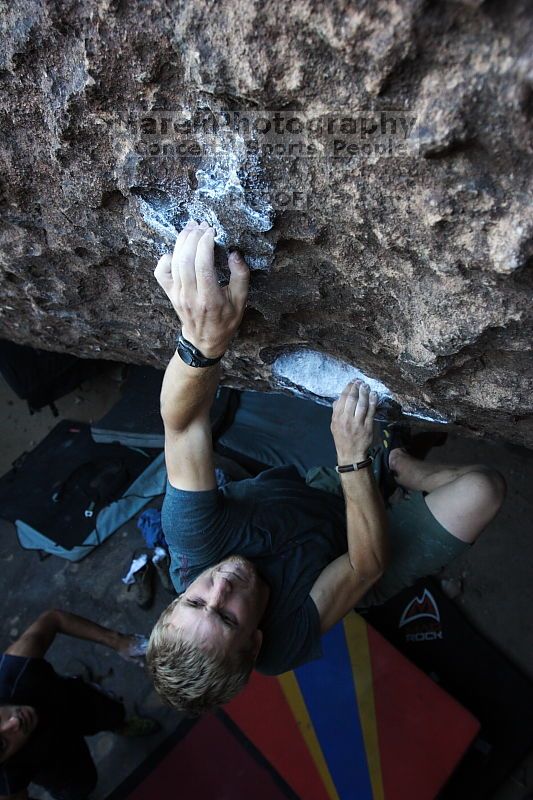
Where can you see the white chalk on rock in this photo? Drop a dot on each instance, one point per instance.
(321, 374)
(308, 371)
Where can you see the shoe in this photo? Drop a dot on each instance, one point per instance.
(139, 726)
(417, 445)
(392, 437)
(140, 580)
(161, 562)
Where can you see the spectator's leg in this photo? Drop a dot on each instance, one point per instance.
(464, 499)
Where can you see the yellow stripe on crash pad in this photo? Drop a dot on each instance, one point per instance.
(295, 699)
(355, 631)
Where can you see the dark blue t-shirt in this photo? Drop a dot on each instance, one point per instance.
(289, 530)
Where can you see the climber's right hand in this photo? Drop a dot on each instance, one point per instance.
(209, 313)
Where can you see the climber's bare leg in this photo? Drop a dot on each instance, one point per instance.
(464, 499)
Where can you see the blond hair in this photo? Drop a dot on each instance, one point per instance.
(189, 678)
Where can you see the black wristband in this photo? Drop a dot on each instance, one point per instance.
(192, 356)
(355, 467)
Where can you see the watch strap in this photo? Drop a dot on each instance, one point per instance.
(192, 356)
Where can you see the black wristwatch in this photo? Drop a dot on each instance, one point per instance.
(192, 356)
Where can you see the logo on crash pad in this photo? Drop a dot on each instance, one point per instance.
(423, 613)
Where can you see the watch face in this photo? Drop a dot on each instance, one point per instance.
(190, 358)
(186, 355)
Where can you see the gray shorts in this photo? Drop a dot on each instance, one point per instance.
(419, 544)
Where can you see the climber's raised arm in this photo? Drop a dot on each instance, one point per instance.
(209, 315)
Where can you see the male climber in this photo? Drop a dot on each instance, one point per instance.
(44, 717)
(263, 567)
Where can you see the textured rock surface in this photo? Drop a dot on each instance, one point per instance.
(408, 255)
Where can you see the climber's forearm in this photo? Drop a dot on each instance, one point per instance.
(187, 394)
(186, 398)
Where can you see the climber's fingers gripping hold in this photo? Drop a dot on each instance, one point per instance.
(166, 272)
(352, 420)
(209, 314)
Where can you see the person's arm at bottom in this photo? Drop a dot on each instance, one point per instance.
(36, 640)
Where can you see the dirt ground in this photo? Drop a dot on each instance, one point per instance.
(493, 579)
